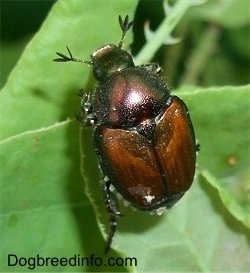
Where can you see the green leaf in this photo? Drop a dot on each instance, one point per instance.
(222, 123)
(222, 128)
(241, 210)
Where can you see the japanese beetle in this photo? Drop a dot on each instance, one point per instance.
(143, 136)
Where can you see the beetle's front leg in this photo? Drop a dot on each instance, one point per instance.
(114, 214)
(152, 68)
(86, 115)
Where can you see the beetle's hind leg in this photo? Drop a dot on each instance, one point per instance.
(114, 214)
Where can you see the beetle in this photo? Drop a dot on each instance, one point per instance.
(143, 136)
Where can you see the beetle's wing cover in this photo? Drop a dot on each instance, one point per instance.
(155, 173)
(129, 161)
(176, 147)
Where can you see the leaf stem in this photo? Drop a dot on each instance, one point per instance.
(164, 30)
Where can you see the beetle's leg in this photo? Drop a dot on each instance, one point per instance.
(81, 92)
(86, 115)
(114, 214)
(152, 68)
(198, 146)
(79, 116)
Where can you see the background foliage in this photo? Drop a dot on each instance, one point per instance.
(51, 202)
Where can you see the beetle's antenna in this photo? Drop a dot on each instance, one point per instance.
(70, 58)
(125, 26)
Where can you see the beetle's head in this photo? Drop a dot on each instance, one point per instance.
(110, 59)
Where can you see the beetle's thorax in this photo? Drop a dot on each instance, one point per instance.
(129, 97)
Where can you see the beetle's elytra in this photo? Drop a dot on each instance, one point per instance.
(143, 136)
